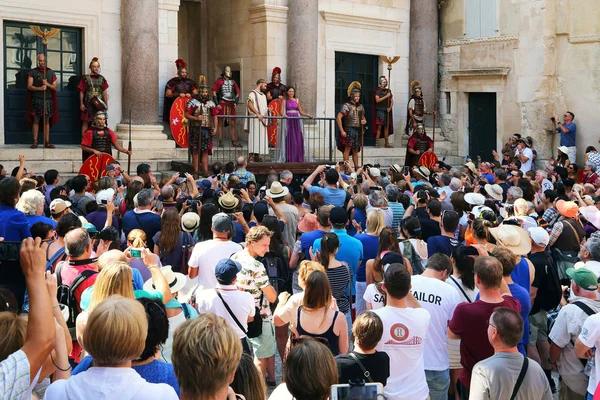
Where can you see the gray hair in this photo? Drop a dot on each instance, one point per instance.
(31, 202)
(77, 242)
(167, 192)
(446, 179)
(515, 192)
(542, 173)
(392, 192)
(145, 197)
(270, 179)
(286, 174)
(455, 184)
(591, 165)
(376, 198)
(593, 246)
(500, 174)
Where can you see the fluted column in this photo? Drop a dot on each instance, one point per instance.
(303, 38)
(423, 59)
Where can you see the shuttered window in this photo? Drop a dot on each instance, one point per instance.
(481, 18)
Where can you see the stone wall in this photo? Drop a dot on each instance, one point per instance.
(545, 60)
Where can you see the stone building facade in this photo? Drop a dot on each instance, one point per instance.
(519, 63)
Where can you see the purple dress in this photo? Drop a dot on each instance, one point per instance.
(294, 140)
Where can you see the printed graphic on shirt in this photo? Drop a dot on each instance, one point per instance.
(428, 298)
(400, 333)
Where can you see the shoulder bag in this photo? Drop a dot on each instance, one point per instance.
(254, 327)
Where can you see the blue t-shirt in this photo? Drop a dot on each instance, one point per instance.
(370, 244)
(240, 234)
(148, 222)
(568, 138)
(441, 244)
(307, 240)
(521, 276)
(98, 219)
(361, 218)
(350, 251)
(153, 372)
(14, 226)
(33, 219)
(334, 196)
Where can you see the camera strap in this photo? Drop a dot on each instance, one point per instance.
(83, 262)
(366, 373)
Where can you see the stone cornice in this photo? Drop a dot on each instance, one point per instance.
(268, 13)
(459, 42)
(584, 39)
(479, 72)
(357, 21)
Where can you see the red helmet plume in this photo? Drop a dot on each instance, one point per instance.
(180, 64)
(276, 71)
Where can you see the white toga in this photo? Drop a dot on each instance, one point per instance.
(257, 131)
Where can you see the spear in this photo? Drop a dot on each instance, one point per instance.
(390, 61)
(129, 147)
(45, 35)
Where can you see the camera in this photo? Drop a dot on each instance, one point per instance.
(236, 192)
(135, 253)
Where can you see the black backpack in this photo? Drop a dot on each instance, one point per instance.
(66, 295)
(552, 285)
(277, 270)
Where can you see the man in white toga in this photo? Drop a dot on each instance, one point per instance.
(257, 128)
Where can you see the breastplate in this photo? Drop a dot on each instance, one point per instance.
(182, 87)
(101, 142)
(94, 86)
(384, 104)
(228, 90)
(419, 107)
(422, 144)
(205, 110)
(352, 119)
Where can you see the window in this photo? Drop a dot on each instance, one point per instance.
(481, 18)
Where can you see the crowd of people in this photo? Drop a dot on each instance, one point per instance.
(477, 281)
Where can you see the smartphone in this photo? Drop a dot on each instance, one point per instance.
(135, 253)
(368, 391)
(340, 163)
(182, 174)
(406, 170)
(119, 184)
(262, 193)
(355, 188)
(104, 201)
(374, 188)
(327, 167)
(9, 251)
(236, 192)
(359, 178)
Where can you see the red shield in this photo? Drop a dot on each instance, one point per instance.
(94, 166)
(428, 159)
(179, 127)
(274, 110)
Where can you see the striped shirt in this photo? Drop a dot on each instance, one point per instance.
(14, 376)
(398, 210)
(339, 278)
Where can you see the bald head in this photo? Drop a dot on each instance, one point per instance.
(110, 256)
(78, 244)
(41, 60)
(241, 162)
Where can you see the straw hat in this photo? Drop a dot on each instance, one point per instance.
(471, 166)
(228, 201)
(591, 215)
(512, 237)
(277, 190)
(494, 191)
(421, 170)
(175, 280)
(475, 199)
(564, 149)
(190, 221)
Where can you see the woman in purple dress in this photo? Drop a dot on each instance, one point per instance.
(293, 140)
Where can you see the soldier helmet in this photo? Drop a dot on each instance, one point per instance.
(353, 88)
(180, 64)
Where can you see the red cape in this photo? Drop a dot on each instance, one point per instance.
(54, 118)
(374, 116)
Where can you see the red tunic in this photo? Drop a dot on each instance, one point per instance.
(227, 107)
(89, 113)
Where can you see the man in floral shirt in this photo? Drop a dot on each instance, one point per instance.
(253, 279)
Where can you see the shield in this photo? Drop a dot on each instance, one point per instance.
(94, 166)
(275, 111)
(178, 122)
(428, 159)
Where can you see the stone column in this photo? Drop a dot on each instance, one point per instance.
(423, 58)
(139, 74)
(303, 38)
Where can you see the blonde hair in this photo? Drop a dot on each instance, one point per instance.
(116, 331)
(206, 353)
(137, 237)
(115, 279)
(360, 201)
(306, 268)
(31, 202)
(256, 233)
(375, 222)
(13, 330)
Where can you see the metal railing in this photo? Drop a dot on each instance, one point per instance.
(274, 139)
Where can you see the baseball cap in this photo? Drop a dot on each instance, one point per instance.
(261, 208)
(204, 184)
(221, 222)
(584, 278)
(106, 194)
(59, 205)
(226, 270)
(539, 236)
(338, 216)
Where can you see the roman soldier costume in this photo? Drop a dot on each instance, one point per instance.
(275, 88)
(177, 86)
(41, 103)
(352, 113)
(201, 131)
(226, 94)
(416, 108)
(93, 86)
(419, 143)
(382, 119)
(98, 137)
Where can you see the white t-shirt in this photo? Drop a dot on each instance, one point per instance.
(206, 256)
(590, 337)
(404, 331)
(456, 282)
(526, 166)
(240, 303)
(440, 300)
(374, 297)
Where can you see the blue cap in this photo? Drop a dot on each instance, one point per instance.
(226, 270)
(345, 177)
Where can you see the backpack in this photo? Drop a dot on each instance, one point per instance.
(551, 285)
(60, 254)
(413, 256)
(243, 179)
(66, 295)
(277, 271)
(75, 206)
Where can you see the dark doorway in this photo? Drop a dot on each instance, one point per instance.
(362, 68)
(482, 125)
(21, 47)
